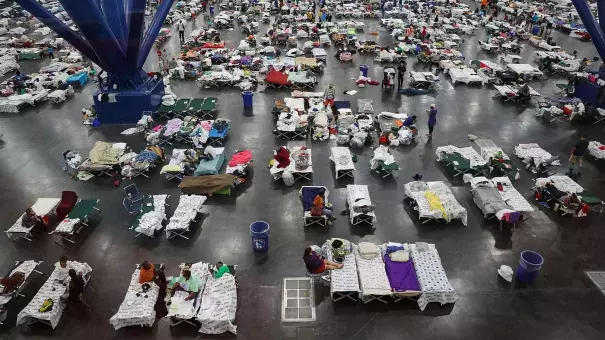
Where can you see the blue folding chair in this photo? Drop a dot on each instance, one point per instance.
(132, 193)
(133, 208)
(133, 202)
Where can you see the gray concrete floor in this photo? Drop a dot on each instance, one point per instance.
(562, 304)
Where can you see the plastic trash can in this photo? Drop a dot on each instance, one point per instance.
(529, 266)
(247, 96)
(535, 30)
(363, 70)
(259, 231)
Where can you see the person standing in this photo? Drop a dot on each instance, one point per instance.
(400, 74)
(577, 153)
(432, 113)
(180, 26)
(51, 53)
(329, 95)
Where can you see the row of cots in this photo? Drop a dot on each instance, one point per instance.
(214, 308)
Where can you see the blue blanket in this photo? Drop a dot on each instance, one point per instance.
(308, 195)
(210, 167)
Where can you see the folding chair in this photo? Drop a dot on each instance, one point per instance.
(133, 200)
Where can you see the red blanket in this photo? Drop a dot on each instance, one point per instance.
(277, 77)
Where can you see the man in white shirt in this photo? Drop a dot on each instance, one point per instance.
(180, 26)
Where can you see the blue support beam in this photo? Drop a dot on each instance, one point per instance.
(594, 29)
(112, 35)
(153, 30)
(75, 39)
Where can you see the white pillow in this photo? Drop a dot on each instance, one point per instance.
(367, 248)
(210, 151)
(400, 256)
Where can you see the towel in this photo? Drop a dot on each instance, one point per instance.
(435, 203)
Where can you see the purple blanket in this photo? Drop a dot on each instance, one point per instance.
(402, 275)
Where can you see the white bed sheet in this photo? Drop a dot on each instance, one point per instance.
(277, 172)
(468, 153)
(342, 158)
(136, 310)
(25, 267)
(372, 275)
(186, 211)
(358, 195)
(295, 103)
(451, 206)
(345, 279)
(458, 76)
(532, 151)
(218, 306)
(563, 183)
(186, 310)
(51, 289)
(151, 221)
(595, 151)
(431, 277)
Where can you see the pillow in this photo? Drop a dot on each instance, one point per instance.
(170, 168)
(367, 248)
(210, 151)
(400, 256)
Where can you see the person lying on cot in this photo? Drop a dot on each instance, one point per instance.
(316, 264)
(147, 272)
(189, 283)
(319, 208)
(11, 282)
(220, 269)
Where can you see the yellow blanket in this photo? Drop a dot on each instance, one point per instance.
(104, 153)
(435, 203)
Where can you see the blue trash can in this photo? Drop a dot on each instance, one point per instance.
(259, 231)
(535, 30)
(363, 69)
(247, 96)
(529, 266)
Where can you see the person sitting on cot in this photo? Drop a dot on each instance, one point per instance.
(32, 221)
(524, 92)
(189, 283)
(220, 269)
(147, 272)
(316, 264)
(320, 209)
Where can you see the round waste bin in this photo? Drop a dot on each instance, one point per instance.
(259, 231)
(535, 30)
(247, 96)
(529, 266)
(363, 70)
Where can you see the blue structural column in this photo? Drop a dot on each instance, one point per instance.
(111, 33)
(594, 29)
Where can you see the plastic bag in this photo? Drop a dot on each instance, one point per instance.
(288, 178)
